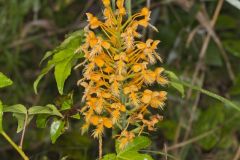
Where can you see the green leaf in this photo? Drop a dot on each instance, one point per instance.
(233, 47)
(42, 74)
(4, 81)
(64, 57)
(19, 112)
(47, 54)
(1, 116)
(76, 116)
(130, 152)
(21, 120)
(41, 120)
(65, 101)
(18, 108)
(56, 130)
(110, 157)
(62, 72)
(134, 156)
(173, 78)
(49, 110)
(137, 144)
(213, 95)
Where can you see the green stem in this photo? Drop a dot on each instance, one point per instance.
(114, 5)
(129, 7)
(1, 115)
(100, 147)
(19, 150)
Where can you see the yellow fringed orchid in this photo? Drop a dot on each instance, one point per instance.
(117, 74)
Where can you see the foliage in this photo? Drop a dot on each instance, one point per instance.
(4, 81)
(64, 57)
(130, 152)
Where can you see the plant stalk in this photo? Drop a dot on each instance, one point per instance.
(129, 7)
(23, 132)
(114, 5)
(100, 147)
(19, 150)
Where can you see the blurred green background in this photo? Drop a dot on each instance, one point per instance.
(195, 127)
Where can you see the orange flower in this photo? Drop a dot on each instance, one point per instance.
(93, 21)
(100, 123)
(154, 99)
(146, 13)
(106, 3)
(148, 49)
(125, 138)
(160, 79)
(117, 74)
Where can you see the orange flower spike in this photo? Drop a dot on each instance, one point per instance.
(116, 72)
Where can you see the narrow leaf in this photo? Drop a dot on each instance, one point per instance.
(1, 116)
(4, 81)
(213, 95)
(76, 116)
(47, 55)
(177, 86)
(42, 74)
